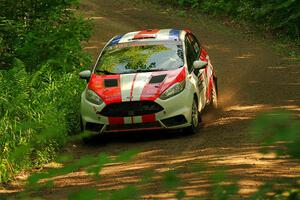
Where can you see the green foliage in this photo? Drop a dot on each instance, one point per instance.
(37, 112)
(128, 193)
(261, 193)
(42, 32)
(84, 194)
(148, 176)
(171, 180)
(280, 126)
(60, 47)
(221, 190)
(40, 56)
(180, 194)
(127, 155)
(281, 16)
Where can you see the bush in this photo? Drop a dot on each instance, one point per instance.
(40, 32)
(37, 112)
(281, 17)
(40, 57)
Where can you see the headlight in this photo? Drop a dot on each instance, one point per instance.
(92, 97)
(173, 90)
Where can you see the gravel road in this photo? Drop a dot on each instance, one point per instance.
(252, 78)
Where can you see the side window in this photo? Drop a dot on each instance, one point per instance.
(195, 44)
(191, 55)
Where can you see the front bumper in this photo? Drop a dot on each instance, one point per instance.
(176, 113)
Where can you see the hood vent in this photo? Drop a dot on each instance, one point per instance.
(110, 83)
(157, 79)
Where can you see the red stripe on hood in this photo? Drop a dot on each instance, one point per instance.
(108, 94)
(152, 91)
(132, 86)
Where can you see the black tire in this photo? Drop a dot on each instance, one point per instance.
(90, 139)
(196, 119)
(87, 140)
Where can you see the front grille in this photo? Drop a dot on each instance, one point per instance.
(174, 121)
(133, 126)
(132, 108)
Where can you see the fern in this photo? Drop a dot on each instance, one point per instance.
(35, 115)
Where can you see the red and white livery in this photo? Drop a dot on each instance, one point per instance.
(147, 80)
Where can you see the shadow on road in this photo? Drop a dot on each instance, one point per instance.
(149, 136)
(134, 137)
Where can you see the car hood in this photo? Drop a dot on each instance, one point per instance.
(143, 86)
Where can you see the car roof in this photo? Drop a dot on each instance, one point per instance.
(149, 35)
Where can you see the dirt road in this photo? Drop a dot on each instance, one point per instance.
(252, 78)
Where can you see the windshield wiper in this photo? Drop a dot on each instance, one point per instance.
(104, 72)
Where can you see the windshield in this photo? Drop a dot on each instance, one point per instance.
(137, 57)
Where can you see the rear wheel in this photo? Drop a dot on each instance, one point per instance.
(195, 119)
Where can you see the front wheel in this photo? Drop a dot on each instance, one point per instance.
(195, 119)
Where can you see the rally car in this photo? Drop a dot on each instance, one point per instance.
(148, 80)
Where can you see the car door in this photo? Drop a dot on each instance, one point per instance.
(205, 75)
(198, 75)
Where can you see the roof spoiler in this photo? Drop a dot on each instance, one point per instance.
(146, 34)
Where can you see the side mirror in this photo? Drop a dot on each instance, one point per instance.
(199, 64)
(86, 74)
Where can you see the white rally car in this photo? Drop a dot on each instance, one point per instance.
(147, 80)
